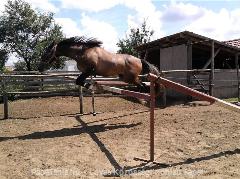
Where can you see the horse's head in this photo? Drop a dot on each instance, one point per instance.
(48, 56)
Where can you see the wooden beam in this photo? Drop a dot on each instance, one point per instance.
(189, 60)
(238, 80)
(211, 81)
(210, 59)
(127, 92)
(186, 90)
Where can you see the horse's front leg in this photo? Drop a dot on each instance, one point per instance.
(81, 80)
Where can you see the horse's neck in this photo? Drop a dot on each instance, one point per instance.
(71, 52)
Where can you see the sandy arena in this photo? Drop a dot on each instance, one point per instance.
(45, 138)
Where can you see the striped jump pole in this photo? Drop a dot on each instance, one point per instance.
(194, 93)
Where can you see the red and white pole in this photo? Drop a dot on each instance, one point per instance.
(186, 90)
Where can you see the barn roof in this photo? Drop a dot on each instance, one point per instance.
(235, 42)
(186, 37)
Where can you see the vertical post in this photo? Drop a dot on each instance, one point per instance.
(93, 99)
(81, 99)
(238, 80)
(189, 61)
(5, 99)
(152, 106)
(212, 70)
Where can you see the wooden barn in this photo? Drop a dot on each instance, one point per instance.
(199, 62)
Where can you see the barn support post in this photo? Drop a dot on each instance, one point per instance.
(5, 99)
(152, 107)
(189, 61)
(81, 99)
(238, 80)
(211, 81)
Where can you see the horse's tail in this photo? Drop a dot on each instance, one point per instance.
(150, 68)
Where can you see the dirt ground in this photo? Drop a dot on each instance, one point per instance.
(46, 138)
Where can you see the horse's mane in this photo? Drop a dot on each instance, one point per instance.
(86, 42)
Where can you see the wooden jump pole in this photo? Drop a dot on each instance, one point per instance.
(201, 96)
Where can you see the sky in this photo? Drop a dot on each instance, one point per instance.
(111, 20)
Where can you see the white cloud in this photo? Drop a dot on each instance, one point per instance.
(145, 10)
(44, 5)
(91, 28)
(100, 30)
(222, 25)
(90, 5)
(178, 11)
(70, 27)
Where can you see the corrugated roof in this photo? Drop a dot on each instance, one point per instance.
(186, 37)
(235, 43)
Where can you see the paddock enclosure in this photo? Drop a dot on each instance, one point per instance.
(47, 138)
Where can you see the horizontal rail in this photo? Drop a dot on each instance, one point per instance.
(194, 71)
(112, 83)
(186, 90)
(41, 92)
(127, 92)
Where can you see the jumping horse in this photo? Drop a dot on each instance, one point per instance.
(92, 59)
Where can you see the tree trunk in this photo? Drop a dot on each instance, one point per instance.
(28, 65)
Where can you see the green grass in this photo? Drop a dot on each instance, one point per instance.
(230, 100)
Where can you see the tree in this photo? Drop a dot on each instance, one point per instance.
(26, 32)
(137, 36)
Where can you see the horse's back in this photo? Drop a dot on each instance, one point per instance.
(111, 64)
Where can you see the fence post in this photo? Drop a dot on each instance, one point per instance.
(81, 99)
(152, 107)
(5, 99)
(93, 97)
